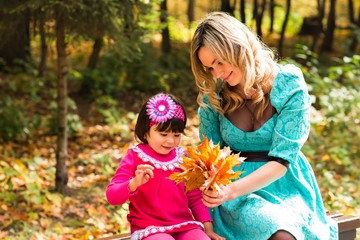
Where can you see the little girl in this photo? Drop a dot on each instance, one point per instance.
(159, 208)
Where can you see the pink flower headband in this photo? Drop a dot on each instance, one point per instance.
(162, 108)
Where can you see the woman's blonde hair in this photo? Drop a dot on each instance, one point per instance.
(231, 42)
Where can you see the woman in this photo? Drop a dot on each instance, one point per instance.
(261, 109)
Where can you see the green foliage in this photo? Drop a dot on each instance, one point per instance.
(13, 123)
(73, 120)
(107, 107)
(23, 175)
(18, 90)
(104, 161)
(332, 147)
(151, 72)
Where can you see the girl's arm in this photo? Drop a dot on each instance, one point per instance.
(209, 230)
(201, 213)
(118, 191)
(258, 179)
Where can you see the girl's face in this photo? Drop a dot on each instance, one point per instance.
(232, 75)
(162, 142)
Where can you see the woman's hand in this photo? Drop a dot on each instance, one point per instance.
(212, 199)
(143, 174)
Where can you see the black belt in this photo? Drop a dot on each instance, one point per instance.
(260, 157)
(255, 156)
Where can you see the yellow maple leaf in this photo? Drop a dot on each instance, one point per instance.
(207, 167)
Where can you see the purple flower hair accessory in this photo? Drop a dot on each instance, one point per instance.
(162, 108)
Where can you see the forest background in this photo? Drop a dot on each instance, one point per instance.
(73, 75)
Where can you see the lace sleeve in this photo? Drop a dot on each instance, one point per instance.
(209, 123)
(291, 99)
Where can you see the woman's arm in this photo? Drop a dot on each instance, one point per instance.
(258, 179)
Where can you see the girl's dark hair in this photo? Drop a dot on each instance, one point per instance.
(142, 128)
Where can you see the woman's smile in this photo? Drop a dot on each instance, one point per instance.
(227, 77)
(231, 74)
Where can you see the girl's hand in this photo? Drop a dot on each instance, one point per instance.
(142, 175)
(214, 236)
(209, 230)
(210, 199)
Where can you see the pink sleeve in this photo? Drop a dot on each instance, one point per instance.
(198, 209)
(118, 192)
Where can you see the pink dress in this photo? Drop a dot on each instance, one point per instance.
(160, 205)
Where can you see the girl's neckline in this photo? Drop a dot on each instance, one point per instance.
(167, 163)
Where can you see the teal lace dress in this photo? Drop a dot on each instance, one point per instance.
(292, 203)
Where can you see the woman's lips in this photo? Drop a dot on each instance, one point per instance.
(228, 76)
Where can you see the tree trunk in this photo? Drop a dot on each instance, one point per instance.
(190, 12)
(61, 154)
(242, 11)
(15, 34)
(355, 41)
(98, 43)
(319, 29)
(255, 10)
(272, 9)
(330, 29)
(165, 44)
(260, 18)
(226, 7)
(43, 53)
(351, 11)
(282, 35)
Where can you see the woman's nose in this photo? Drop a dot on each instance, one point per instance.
(217, 72)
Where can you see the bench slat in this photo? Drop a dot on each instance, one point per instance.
(347, 227)
(124, 236)
(347, 222)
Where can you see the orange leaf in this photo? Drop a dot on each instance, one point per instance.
(207, 167)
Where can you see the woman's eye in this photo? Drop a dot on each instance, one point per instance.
(220, 63)
(208, 69)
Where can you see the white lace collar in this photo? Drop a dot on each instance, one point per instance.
(170, 165)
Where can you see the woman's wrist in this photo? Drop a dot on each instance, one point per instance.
(232, 192)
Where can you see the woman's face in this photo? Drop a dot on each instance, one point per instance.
(232, 75)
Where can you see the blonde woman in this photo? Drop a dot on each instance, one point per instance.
(259, 108)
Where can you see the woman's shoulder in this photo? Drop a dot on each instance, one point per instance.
(289, 77)
(289, 72)
(288, 82)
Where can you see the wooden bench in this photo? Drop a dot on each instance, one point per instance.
(347, 227)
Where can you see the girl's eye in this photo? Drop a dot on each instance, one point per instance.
(163, 134)
(177, 135)
(220, 63)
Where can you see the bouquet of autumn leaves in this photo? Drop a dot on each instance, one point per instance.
(207, 167)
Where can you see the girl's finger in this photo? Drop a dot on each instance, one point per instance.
(149, 172)
(145, 166)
